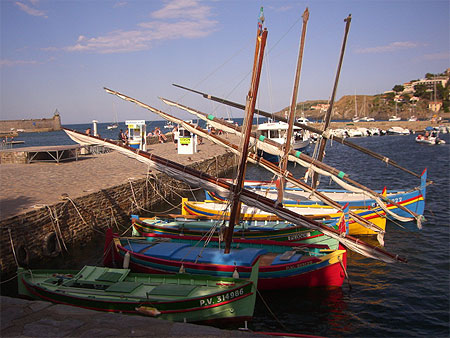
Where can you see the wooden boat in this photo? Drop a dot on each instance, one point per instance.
(219, 209)
(177, 297)
(282, 265)
(276, 230)
(413, 200)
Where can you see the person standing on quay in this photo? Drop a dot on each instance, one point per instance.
(176, 135)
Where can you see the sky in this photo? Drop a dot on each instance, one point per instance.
(58, 55)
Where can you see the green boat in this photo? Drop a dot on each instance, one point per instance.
(181, 297)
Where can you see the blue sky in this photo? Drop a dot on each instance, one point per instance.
(60, 54)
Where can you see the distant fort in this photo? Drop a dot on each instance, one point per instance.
(29, 126)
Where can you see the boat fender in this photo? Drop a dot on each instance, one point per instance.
(51, 246)
(23, 257)
(126, 260)
(149, 311)
(235, 272)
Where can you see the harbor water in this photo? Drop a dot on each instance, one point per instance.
(379, 300)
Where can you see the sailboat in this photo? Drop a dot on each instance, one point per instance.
(365, 118)
(282, 265)
(355, 117)
(113, 125)
(394, 118)
(253, 229)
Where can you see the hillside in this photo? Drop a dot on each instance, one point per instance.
(375, 106)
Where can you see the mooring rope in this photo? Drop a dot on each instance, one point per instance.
(270, 310)
(157, 191)
(345, 272)
(113, 218)
(12, 247)
(54, 219)
(74, 205)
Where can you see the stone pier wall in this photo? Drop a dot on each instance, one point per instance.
(32, 125)
(34, 235)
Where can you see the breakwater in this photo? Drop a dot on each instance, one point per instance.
(49, 208)
(385, 125)
(31, 125)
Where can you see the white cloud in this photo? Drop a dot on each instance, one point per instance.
(11, 63)
(437, 56)
(182, 9)
(176, 20)
(120, 4)
(392, 47)
(30, 10)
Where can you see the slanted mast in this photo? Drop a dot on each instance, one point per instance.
(261, 38)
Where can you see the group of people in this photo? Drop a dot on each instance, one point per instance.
(123, 136)
(157, 132)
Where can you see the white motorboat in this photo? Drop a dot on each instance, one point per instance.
(364, 131)
(431, 136)
(303, 120)
(276, 131)
(395, 118)
(354, 133)
(398, 131)
(374, 131)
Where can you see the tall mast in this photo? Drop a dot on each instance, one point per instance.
(323, 141)
(287, 145)
(249, 112)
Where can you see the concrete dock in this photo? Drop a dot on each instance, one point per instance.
(23, 318)
(24, 187)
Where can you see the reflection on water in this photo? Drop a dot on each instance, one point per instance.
(300, 311)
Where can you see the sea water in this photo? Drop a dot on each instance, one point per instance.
(380, 300)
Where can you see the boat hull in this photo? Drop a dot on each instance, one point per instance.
(233, 300)
(322, 270)
(413, 200)
(298, 146)
(277, 230)
(216, 209)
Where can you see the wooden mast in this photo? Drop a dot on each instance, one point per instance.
(287, 145)
(323, 141)
(249, 112)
